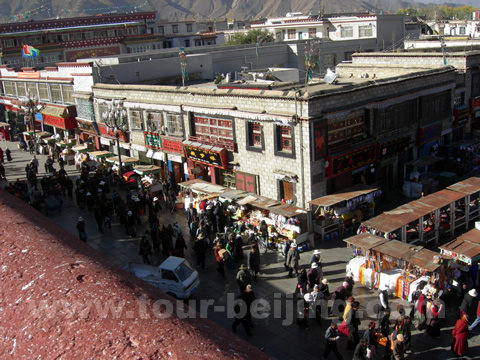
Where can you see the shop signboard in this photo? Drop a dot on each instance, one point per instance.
(109, 133)
(54, 121)
(153, 140)
(174, 158)
(392, 148)
(461, 115)
(172, 145)
(212, 156)
(246, 182)
(350, 161)
(319, 140)
(429, 134)
(475, 104)
(88, 126)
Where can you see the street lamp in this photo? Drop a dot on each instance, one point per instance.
(30, 106)
(115, 119)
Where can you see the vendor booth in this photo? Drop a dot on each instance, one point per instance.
(149, 179)
(421, 220)
(401, 267)
(471, 189)
(4, 131)
(465, 249)
(337, 214)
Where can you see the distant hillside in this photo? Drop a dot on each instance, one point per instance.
(173, 10)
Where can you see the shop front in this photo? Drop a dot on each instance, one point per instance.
(173, 148)
(88, 130)
(351, 168)
(205, 162)
(475, 111)
(59, 120)
(391, 155)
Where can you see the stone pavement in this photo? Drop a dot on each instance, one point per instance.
(273, 333)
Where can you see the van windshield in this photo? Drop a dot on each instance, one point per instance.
(183, 271)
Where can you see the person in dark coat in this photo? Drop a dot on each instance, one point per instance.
(371, 338)
(360, 352)
(350, 282)
(293, 258)
(385, 322)
(145, 250)
(180, 246)
(331, 338)
(353, 322)
(200, 250)
(99, 217)
(219, 260)
(467, 302)
(248, 296)
(191, 213)
(243, 278)
(460, 335)
(165, 237)
(316, 258)
(313, 277)
(302, 283)
(433, 321)
(339, 298)
(81, 229)
(219, 217)
(253, 264)
(240, 315)
(9, 154)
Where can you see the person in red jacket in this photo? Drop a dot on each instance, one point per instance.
(477, 320)
(459, 336)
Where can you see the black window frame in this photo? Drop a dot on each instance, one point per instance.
(249, 137)
(277, 141)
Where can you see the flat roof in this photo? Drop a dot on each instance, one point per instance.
(365, 240)
(468, 186)
(347, 194)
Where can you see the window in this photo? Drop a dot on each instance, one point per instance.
(396, 116)
(435, 107)
(346, 31)
(8, 88)
(292, 34)
(21, 89)
(67, 91)
(284, 141)
(254, 136)
(161, 30)
(189, 27)
(55, 92)
(168, 275)
(462, 30)
(43, 91)
(329, 61)
(174, 124)
(111, 33)
(365, 31)
(215, 129)
(187, 43)
(136, 119)
(79, 36)
(459, 99)
(32, 89)
(132, 31)
(89, 35)
(8, 43)
(312, 32)
(154, 121)
(175, 29)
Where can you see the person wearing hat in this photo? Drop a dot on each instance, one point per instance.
(200, 249)
(243, 278)
(81, 229)
(316, 258)
(349, 280)
(467, 302)
(293, 257)
(248, 296)
(324, 288)
(313, 276)
(398, 351)
(303, 313)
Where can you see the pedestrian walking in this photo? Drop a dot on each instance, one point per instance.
(9, 154)
(243, 278)
(240, 310)
(467, 302)
(459, 336)
(172, 198)
(331, 338)
(145, 250)
(180, 246)
(253, 264)
(248, 296)
(353, 322)
(477, 320)
(81, 229)
(293, 257)
(219, 258)
(398, 348)
(360, 352)
(200, 250)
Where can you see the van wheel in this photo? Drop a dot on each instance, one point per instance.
(172, 295)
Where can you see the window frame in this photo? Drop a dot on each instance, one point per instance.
(135, 117)
(249, 134)
(346, 31)
(278, 140)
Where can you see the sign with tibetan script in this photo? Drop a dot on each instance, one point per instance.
(153, 140)
(350, 161)
(392, 148)
(172, 146)
(88, 126)
(109, 133)
(207, 156)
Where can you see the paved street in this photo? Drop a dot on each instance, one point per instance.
(282, 341)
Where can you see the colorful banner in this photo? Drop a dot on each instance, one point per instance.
(153, 140)
(217, 158)
(350, 161)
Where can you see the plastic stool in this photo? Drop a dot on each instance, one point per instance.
(335, 235)
(327, 237)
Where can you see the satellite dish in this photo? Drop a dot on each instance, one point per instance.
(330, 77)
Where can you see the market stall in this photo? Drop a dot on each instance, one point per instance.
(465, 249)
(471, 189)
(149, 181)
(195, 190)
(399, 266)
(334, 215)
(4, 131)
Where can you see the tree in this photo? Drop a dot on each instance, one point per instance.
(252, 37)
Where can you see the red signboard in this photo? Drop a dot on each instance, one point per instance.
(172, 146)
(105, 131)
(475, 103)
(350, 161)
(54, 121)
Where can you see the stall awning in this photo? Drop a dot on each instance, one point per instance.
(3, 124)
(247, 200)
(81, 148)
(365, 241)
(125, 160)
(424, 259)
(344, 195)
(441, 198)
(202, 187)
(466, 246)
(43, 134)
(147, 169)
(100, 154)
(65, 144)
(468, 186)
(54, 111)
(397, 249)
